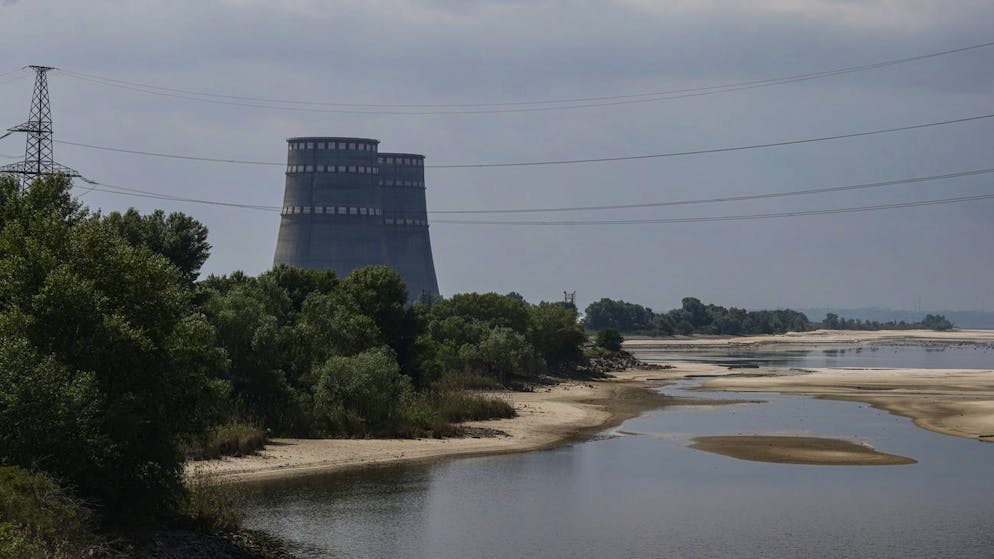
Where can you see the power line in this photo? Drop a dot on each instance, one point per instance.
(134, 192)
(14, 79)
(508, 106)
(114, 189)
(745, 217)
(739, 198)
(14, 71)
(563, 161)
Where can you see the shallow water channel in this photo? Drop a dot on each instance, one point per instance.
(638, 491)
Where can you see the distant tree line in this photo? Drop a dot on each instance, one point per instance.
(695, 317)
(930, 322)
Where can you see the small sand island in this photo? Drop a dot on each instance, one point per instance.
(816, 451)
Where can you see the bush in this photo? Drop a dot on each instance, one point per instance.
(457, 380)
(39, 520)
(456, 408)
(233, 439)
(359, 395)
(609, 339)
(212, 505)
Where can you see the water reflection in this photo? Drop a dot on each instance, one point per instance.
(648, 495)
(972, 356)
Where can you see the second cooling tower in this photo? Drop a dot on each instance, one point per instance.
(346, 206)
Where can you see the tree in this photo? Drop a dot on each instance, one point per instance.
(555, 333)
(96, 326)
(501, 354)
(178, 237)
(380, 293)
(360, 394)
(625, 317)
(609, 339)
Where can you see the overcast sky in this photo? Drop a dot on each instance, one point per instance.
(440, 52)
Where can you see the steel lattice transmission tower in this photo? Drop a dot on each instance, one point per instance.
(38, 155)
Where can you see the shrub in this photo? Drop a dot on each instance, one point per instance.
(359, 395)
(457, 380)
(232, 439)
(609, 339)
(212, 505)
(459, 407)
(39, 520)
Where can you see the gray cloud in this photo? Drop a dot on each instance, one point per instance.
(434, 51)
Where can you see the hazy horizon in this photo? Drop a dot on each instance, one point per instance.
(434, 52)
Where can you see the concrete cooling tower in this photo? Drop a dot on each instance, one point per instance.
(346, 205)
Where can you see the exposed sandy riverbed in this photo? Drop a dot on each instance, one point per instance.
(959, 403)
(953, 402)
(816, 451)
(546, 417)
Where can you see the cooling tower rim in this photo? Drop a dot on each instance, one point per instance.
(332, 138)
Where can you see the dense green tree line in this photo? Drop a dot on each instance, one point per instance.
(930, 322)
(695, 317)
(114, 358)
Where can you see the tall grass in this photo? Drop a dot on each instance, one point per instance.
(211, 505)
(233, 439)
(457, 407)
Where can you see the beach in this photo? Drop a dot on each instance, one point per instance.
(547, 417)
(953, 402)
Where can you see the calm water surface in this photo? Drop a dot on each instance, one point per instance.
(639, 492)
(966, 356)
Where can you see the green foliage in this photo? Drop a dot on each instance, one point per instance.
(212, 505)
(458, 407)
(554, 331)
(609, 339)
(502, 353)
(358, 395)
(488, 308)
(454, 380)
(693, 317)
(625, 317)
(178, 237)
(380, 293)
(103, 323)
(930, 322)
(39, 520)
(230, 439)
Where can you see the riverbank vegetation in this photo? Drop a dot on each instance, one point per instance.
(695, 317)
(117, 362)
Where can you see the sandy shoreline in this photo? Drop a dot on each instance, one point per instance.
(546, 417)
(952, 402)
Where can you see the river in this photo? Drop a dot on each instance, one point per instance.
(638, 491)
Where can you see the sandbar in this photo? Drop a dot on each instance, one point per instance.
(817, 451)
(952, 402)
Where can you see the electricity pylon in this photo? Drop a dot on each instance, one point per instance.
(38, 155)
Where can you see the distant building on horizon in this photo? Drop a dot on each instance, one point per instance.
(346, 205)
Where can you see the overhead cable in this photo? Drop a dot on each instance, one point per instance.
(745, 217)
(737, 198)
(563, 161)
(161, 196)
(499, 107)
